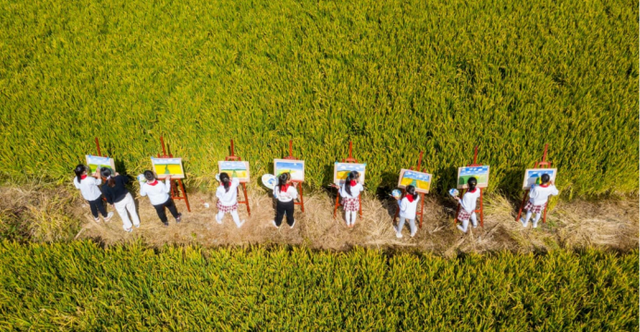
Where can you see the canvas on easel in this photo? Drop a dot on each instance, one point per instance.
(421, 181)
(235, 169)
(480, 172)
(97, 162)
(532, 176)
(293, 167)
(168, 167)
(342, 170)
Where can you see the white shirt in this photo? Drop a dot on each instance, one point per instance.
(469, 200)
(88, 187)
(228, 198)
(538, 195)
(355, 190)
(158, 194)
(287, 196)
(408, 209)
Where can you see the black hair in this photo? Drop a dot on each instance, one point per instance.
(282, 180)
(411, 190)
(106, 173)
(545, 178)
(149, 175)
(350, 177)
(79, 170)
(226, 181)
(472, 182)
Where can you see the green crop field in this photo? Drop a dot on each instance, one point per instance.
(395, 77)
(80, 286)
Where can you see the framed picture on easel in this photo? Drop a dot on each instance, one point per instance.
(97, 162)
(235, 169)
(171, 167)
(342, 170)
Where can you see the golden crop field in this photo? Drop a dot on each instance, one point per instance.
(395, 77)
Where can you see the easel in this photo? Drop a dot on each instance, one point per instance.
(175, 183)
(420, 213)
(297, 183)
(233, 157)
(481, 209)
(354, 161)
(539, 164)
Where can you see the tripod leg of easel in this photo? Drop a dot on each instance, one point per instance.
(360, 205)
(184, 193)
(301, 198)
(335, 208)
(544, 219)
(524, 199)
(246, 198)
(421, 210)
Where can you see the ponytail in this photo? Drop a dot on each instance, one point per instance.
(472, 182)
(282, 180)
(108, 176)
(226, 181)
(411, 190)
(79, 170)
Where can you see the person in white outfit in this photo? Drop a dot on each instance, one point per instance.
(468, 205)
(284, 193)
(158, 193)
(89, 188)
(408, 206)
(350, 193)
(538, 198)
(116, 193)
(227, 194)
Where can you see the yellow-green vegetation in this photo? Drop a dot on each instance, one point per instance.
(80, 286)
(395, 77)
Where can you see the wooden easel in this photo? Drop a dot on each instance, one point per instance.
(420, 213)
(298, 184)
(176, 184)
(481, 209)
(233, 157)
(354, 161)
(539, 164)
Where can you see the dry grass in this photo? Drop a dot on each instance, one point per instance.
(50, 214)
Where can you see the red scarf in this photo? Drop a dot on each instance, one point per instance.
(82, 177)
(544, 185)
(410, 198)
(353, 183)
(284, 188)
(473, 191)
(153, 183)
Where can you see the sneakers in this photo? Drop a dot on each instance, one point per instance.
(414, 233)
(241, 223)
(524, 224)
(179, 217)
(294, 223)
(96, 219)
(108, 217)
(128, 230)
(274, 224)
(136, 225)
(399, 235)
(460, 228)
(535, 224)
(219, 221)
(166, 224)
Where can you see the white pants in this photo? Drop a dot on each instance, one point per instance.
(465, 223)
(412, 225)
(234, 215)
(351, 217)
(127, 204)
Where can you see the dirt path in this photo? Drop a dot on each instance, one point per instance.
(611, 224)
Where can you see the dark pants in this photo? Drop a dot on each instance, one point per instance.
(281, 209)
(96, 206)
(170, 205)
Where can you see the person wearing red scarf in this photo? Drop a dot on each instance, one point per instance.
(408, 207)
(350, 193)
(468, 205)
(90, 190)
(538, 198)
(158, 194)
(285, 193)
